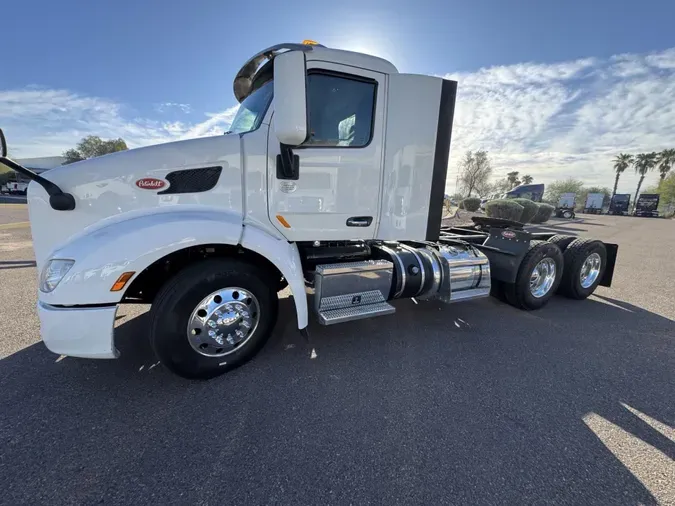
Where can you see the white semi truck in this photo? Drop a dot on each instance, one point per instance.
(330, 181)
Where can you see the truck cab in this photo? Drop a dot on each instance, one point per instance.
(534, 192)
(330, 182)
(619, 204)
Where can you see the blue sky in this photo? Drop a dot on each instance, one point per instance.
(538, 79)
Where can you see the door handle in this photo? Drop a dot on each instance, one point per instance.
(359, 221)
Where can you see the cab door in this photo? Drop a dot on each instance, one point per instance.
(336, 192)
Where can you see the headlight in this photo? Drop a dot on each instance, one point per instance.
(53, 273)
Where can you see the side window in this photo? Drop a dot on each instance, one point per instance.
(340, 110)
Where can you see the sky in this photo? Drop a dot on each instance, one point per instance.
(551, 89)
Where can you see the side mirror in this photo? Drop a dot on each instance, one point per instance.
(3, 144)
(290, 98)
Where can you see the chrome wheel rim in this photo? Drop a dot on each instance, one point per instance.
(223, 322)
(590, 270)
(542, 278)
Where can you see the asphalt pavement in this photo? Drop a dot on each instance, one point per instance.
(473, 403)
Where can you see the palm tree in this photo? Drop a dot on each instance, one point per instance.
(527, 179)
(621, 163)
(666, 160)
(643, 163)
(512, 178)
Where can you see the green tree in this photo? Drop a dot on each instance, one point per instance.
(666, 191)
(665, 161)
(555, 189)
(501, 186)
(475, 172)
(621, 162)
(643, 163)
(527, 179)
(512, 178)
(93, 146)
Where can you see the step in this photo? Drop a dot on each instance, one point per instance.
(347, 314)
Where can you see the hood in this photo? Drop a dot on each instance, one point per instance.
(131, 183)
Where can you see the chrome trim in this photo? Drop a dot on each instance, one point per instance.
(542, 277)
(419, 262)
(437, 271)
(347, 300)
(223, 322)
(347, 314)
(590, 270)
(352, 267)
(400, 264)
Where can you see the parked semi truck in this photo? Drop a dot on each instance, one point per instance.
(534, 192)
(16, 188)
(594, 202)
(619, 204)
(566, 204)
(647, 205)
(366, 150)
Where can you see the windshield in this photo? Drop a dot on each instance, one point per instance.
(252, 110)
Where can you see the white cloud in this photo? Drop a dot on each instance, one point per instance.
(43, 122)
(550, 120)
(168, 106)
(567, 119)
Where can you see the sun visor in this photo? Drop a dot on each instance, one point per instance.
(245, 79)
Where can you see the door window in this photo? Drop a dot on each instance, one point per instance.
(340, 110)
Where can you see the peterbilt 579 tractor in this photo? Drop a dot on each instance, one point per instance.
(330, 182)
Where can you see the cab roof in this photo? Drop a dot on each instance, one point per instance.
(244, 81)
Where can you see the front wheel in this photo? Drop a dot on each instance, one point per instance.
(538, 277)
(212, 317)
(567, 215)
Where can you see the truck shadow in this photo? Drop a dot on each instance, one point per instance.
(476, 401)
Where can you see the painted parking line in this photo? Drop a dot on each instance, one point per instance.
(19, 224)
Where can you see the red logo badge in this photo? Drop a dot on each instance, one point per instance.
(508, 234)
(150, 183)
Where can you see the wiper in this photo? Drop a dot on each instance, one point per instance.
(58, 199)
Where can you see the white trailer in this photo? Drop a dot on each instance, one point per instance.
(594, 202)
(331, 182)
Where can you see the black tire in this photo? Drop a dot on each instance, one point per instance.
(518, 294)
(177, 299)
(568, 215)
(575, 256)
(562, 241)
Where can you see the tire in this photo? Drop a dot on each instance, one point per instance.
(179, 299)
(562, 241)
(519, 294)
(575, 256)
(567, 215)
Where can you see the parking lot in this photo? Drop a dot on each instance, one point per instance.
(474, 403)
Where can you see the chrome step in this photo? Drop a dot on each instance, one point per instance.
(346, 314)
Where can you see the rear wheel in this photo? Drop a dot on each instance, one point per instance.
(562, 241)
(585, 262)
(538, 277)
(212, 317)
(567, 214)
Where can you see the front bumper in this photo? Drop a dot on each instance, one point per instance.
(78, 332)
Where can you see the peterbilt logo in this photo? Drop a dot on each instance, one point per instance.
(508, 234)
(150, 183)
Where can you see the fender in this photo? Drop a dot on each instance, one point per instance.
(134, 244)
